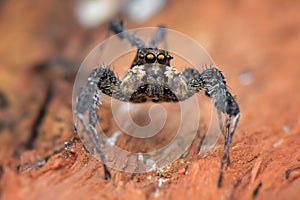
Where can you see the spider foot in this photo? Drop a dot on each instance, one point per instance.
(228, 139)
(107, 174)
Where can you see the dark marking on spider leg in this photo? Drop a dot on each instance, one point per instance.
(221, 174)
(190, 73)
(228, 139)
(118, 28)
(256, 190)
(108, 83)
(159, 35)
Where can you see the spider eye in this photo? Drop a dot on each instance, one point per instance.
(141, 56)
(150, 58)
(169, 57)
(161, 58)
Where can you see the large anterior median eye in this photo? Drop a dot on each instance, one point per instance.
(161, 58)
(150, 58)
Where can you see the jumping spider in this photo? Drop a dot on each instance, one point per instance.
(152, 78)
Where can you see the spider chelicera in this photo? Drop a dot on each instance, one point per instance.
(152, 78)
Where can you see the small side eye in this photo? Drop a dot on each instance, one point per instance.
(141, 56)
(150, 58)
(161, 58)
(169, 57)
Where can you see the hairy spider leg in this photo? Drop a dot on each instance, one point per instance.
(228, 139)
(88, 100)
(189, 74)
(158, 36)
(213, 83)
(118, 28)
(93, 119)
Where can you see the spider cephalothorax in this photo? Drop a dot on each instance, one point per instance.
(151, 77)
(152, 55)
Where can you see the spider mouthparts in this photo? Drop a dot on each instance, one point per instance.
(155, 100)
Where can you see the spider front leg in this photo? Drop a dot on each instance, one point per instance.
(100, 80)
(158, 36)
(118, 28)
(213, 82)
(189, 75)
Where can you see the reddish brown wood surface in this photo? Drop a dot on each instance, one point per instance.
(256, 38)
